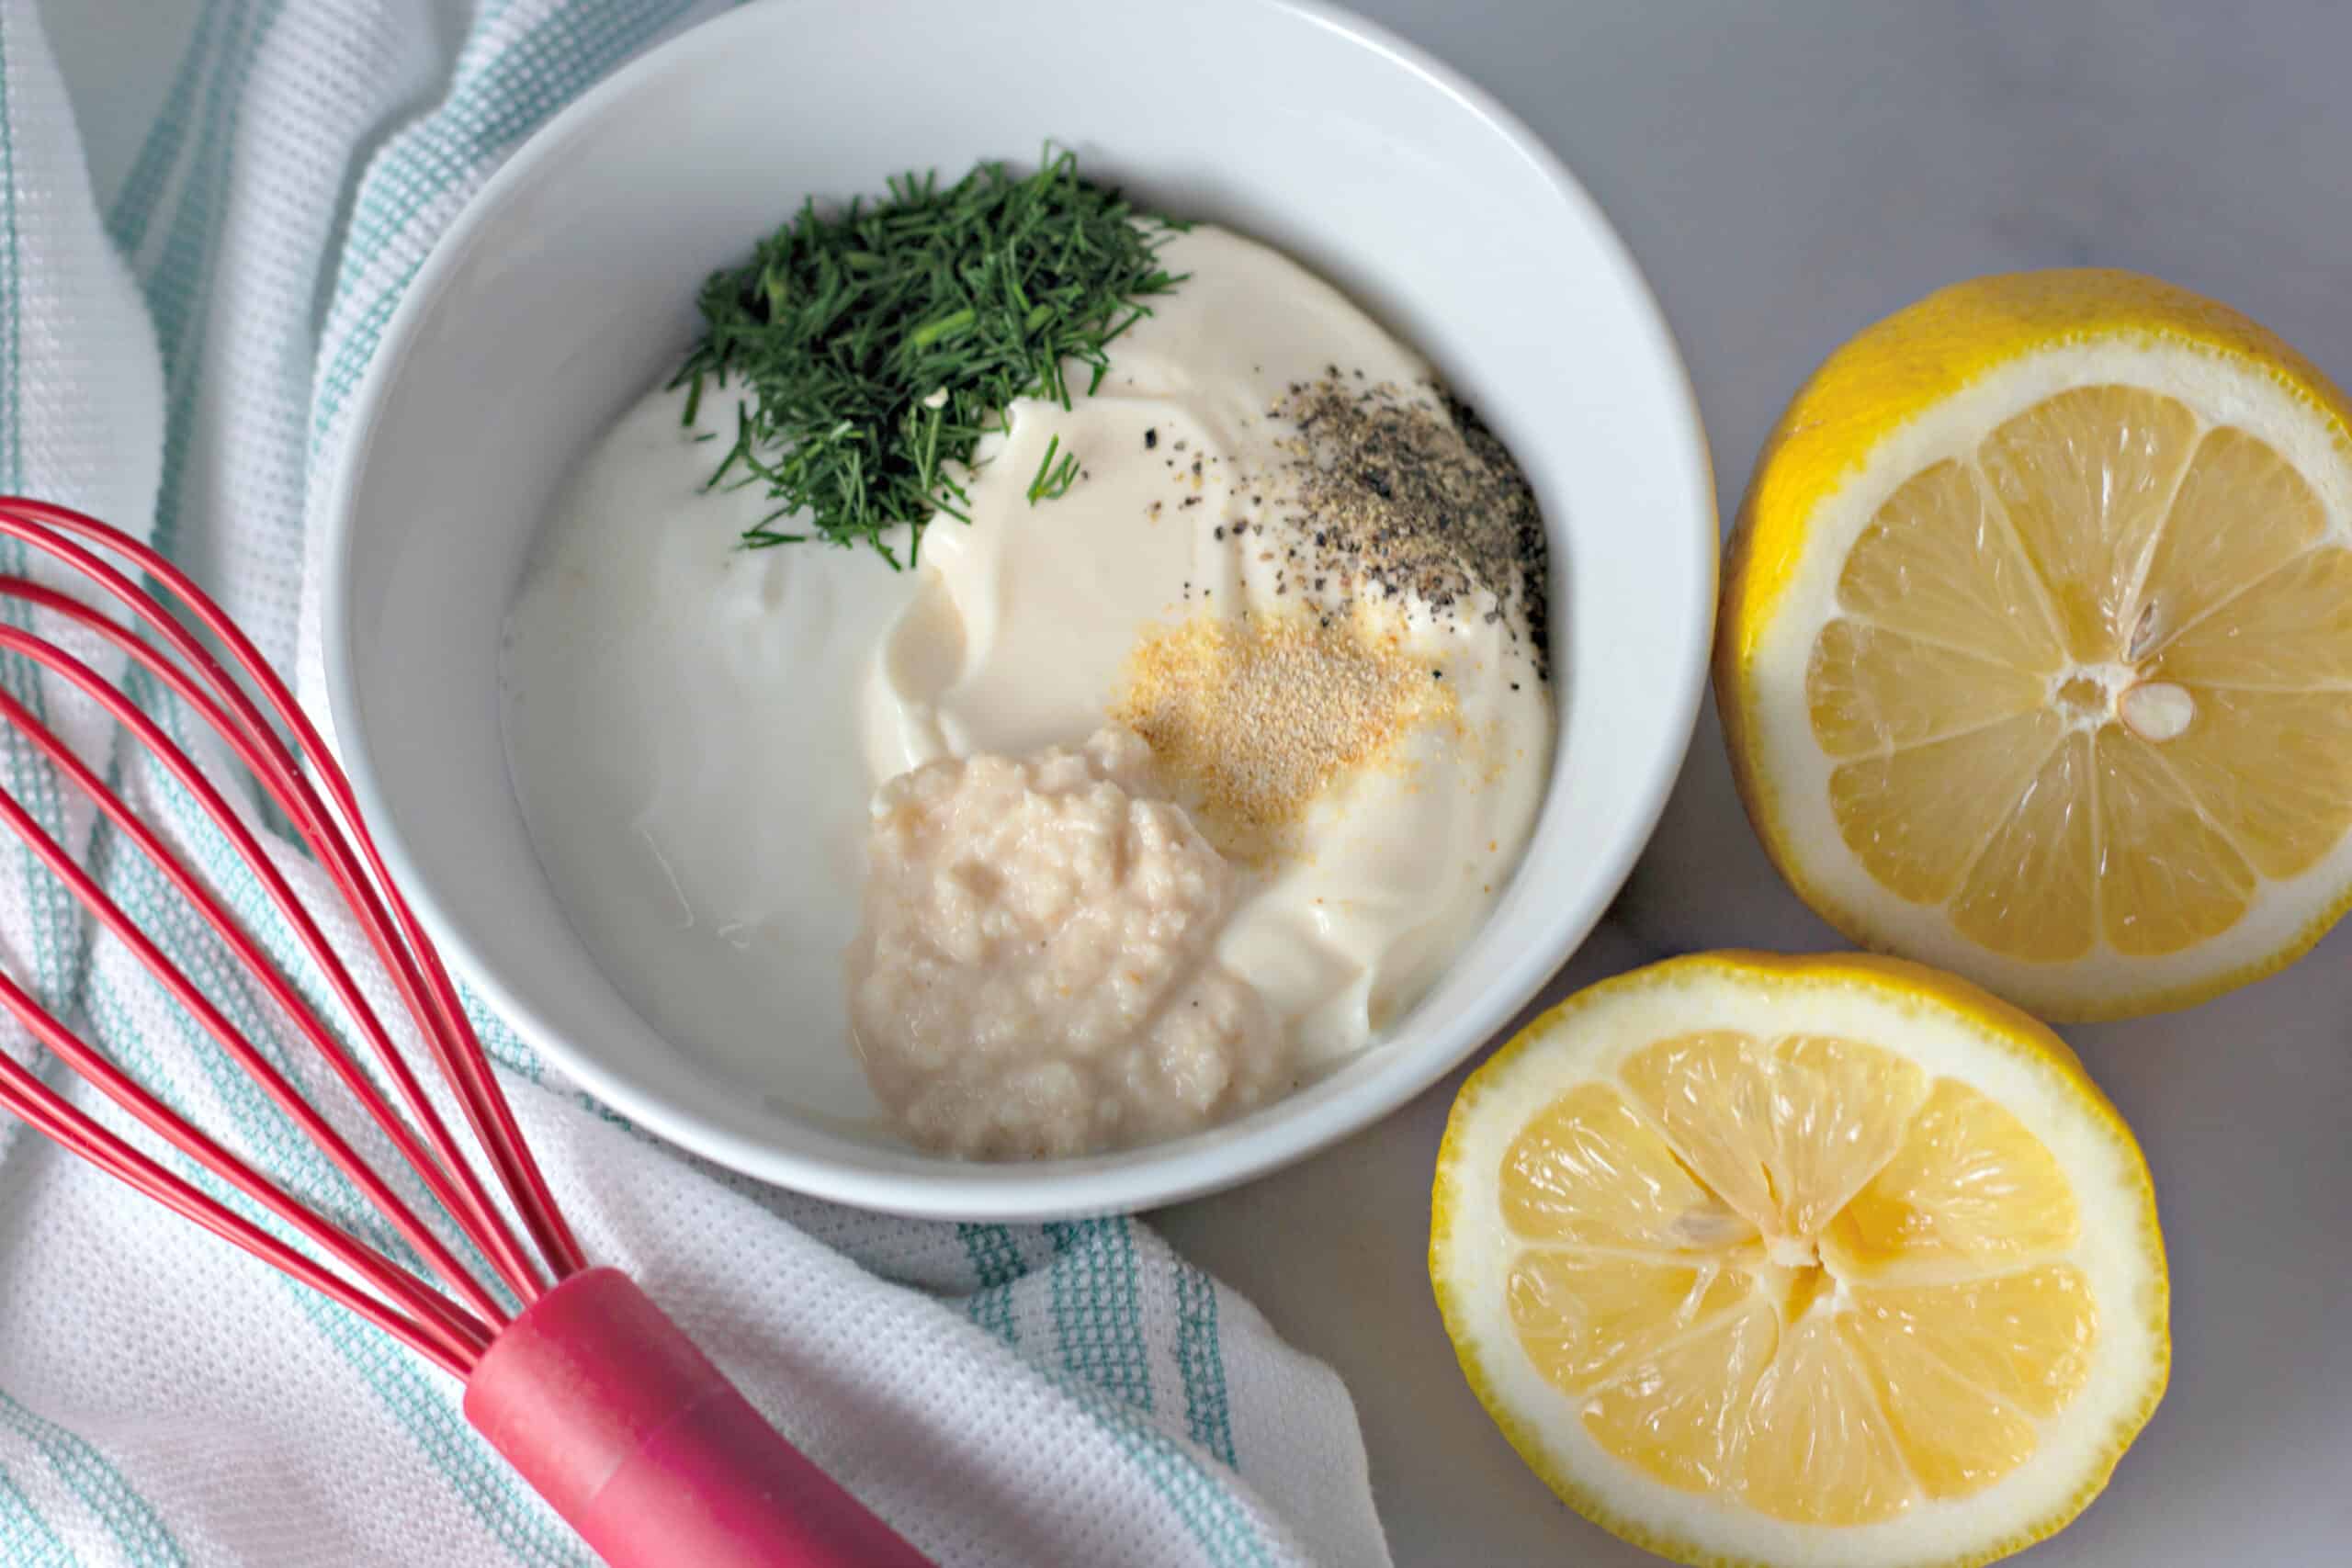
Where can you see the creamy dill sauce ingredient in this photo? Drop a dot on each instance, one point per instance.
(1254, 718)
(1406, 499)
(880, 341)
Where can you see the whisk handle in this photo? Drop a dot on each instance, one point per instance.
(603, 1405)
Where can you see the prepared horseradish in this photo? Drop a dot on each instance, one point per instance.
(1038, 974)
(1174, 765)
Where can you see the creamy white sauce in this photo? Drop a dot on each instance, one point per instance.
(695, 731)
(683, 725)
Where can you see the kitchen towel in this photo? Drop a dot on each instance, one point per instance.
(206, 214)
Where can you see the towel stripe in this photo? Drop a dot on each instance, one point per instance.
(129, 1517)
(27, 772)
(1104, 1358)
(1097, 1324)
(996, 1264)
(182, 276)
(159, 153)
(174, 282)
(27, 1539)
(500, 1044)
(1207, 1413)
(489, 111)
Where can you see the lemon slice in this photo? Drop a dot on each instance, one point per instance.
(1819, 1261)
(2036, 652)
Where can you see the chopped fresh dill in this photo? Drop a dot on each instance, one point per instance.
(1054, 479)
(879, 342)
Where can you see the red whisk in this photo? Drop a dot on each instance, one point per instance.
(598, 1400)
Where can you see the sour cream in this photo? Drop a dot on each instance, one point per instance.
(695, 731)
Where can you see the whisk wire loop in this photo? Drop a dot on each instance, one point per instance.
(459, 1194)
(177, 983)
(59, 1120)
(294, 776)
(401, 941)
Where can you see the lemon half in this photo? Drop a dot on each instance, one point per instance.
(1833, 1262)
(2036, 653)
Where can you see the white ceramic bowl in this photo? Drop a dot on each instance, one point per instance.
(566, 287)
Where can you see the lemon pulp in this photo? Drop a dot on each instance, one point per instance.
(1797, 1271)
(2091, 682)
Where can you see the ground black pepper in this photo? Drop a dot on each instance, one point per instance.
(1404, 496)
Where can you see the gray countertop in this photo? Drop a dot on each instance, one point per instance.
(1787, 174)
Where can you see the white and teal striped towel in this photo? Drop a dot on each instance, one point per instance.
(192, 276)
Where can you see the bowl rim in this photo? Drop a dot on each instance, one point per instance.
(1049, 1189)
